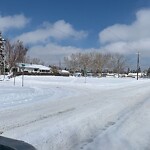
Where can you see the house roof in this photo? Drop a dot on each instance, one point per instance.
(64, 71)
(34, 66)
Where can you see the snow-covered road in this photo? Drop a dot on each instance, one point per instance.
(54, 113)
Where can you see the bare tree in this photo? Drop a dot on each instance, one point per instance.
(15, 53)
(37, 61)
(85, 62)
(118, 63)
(30, 60)
(73, 62)
(96, 62)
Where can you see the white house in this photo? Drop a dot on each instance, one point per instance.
(33, 68)
(134, 75)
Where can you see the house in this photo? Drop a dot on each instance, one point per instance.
(134, 75)
(32, 68)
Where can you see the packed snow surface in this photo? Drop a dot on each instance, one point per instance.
(74, 113)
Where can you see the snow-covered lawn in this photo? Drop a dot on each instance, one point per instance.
(65, 113)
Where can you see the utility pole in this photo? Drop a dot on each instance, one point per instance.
(138, 66)
(118, 67)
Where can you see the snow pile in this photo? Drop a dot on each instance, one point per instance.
(54, 113)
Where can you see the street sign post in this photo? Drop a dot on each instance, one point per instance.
(23, 67)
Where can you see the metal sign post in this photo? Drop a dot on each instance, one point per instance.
(23, 67)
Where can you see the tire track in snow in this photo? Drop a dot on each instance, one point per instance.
(40, 118)
(114, 125)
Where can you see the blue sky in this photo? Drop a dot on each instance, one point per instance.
(56, 28)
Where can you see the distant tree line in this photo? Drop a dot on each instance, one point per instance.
(96, 62)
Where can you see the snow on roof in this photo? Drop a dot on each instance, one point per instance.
(35, 66)
(64, 71)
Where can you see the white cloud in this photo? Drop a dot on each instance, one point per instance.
(11, 22)
(59, 30)
(42, 41)
(52, 53)
(128, 38)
